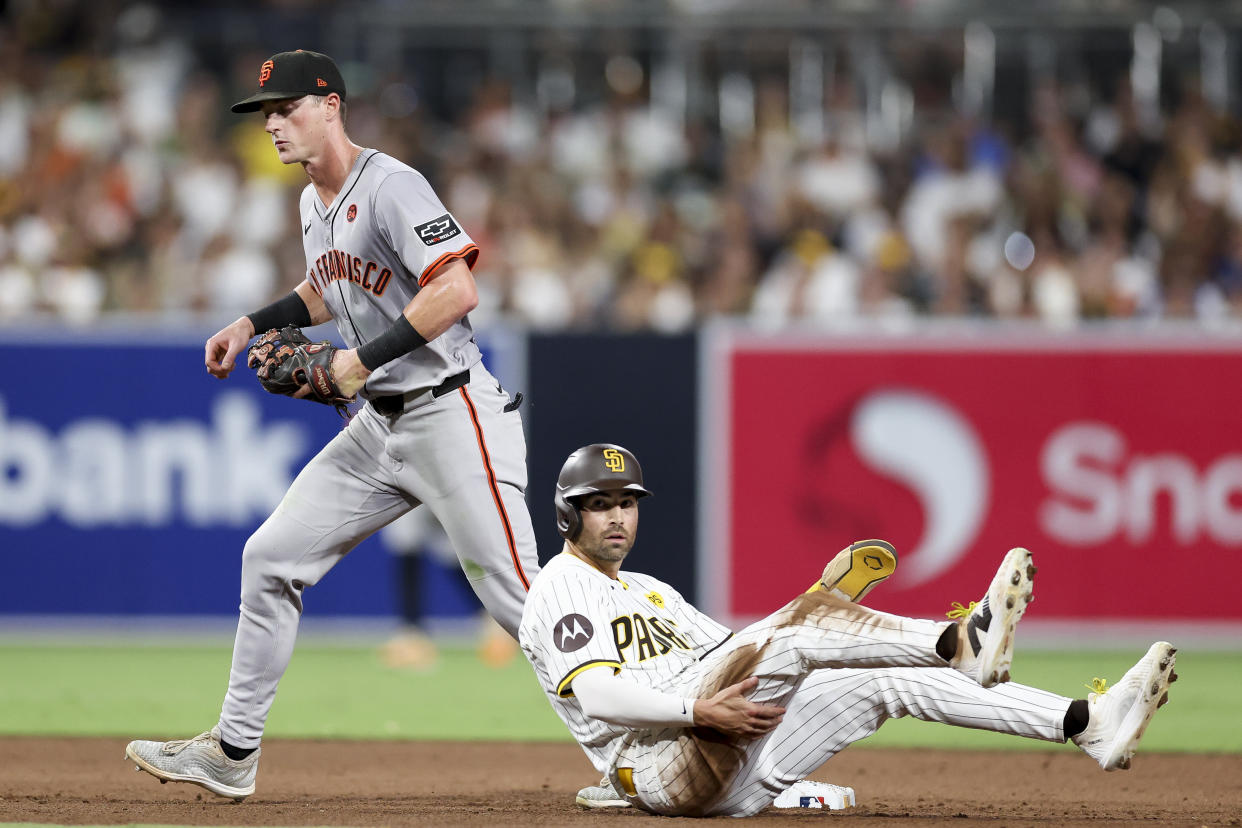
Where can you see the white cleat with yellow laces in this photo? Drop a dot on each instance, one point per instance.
(1119, 715)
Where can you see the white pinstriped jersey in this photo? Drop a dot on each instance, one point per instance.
(371, 251)
(576, 618)
(840, 670)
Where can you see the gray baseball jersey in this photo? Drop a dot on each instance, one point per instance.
(457, 449)
(369, 253)
(839, 669)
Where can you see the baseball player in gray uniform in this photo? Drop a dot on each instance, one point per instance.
(391, 266)
(687, 719)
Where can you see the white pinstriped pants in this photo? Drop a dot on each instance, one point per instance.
(460, 454)
(840, 670)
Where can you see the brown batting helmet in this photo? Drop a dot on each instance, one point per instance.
(599, 467)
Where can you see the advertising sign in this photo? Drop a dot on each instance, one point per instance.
(1118, 464)
(130, 480)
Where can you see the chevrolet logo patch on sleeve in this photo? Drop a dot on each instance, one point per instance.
(438, 230)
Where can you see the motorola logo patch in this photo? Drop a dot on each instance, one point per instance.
(572, 632)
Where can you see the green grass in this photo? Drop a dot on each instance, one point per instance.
(165, 691)
(172, 691)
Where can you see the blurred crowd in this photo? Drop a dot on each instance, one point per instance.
(126, 185)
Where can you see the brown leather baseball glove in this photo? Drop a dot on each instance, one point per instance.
(285, 361)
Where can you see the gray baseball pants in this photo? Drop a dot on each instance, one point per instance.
(461, 455)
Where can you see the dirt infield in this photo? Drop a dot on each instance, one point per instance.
(79, 781)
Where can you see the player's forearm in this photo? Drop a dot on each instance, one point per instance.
(300, 308)
(450, 295)
(433, 310)
(318, 309)
(623, 702)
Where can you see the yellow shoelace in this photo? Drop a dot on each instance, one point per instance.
(958, 611)
(1098, 685)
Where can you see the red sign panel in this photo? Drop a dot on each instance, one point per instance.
(1121, 470)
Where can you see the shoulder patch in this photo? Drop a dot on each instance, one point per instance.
(573, 632)
(438, 230)
(656, 598)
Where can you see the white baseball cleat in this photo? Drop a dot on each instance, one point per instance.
(857, 569)
(200, 761)
(603, 795)
(986, 627)
(1120, 714)
(807, 794)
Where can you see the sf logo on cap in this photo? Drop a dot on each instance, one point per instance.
(265, 71)
(614, 460)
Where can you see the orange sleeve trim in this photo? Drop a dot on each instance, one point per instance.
(495, 487)
(470, 253)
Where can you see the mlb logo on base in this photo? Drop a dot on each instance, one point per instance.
(808, 794)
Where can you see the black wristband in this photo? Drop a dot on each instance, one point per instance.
(288, 310)
(398, 340)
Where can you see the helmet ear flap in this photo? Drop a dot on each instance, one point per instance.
(568, 520)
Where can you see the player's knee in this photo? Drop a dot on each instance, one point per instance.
(262, 567)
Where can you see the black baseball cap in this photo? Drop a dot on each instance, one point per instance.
(292, 75)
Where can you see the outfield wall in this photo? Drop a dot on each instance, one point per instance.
(1115, 456)
(129, 479)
